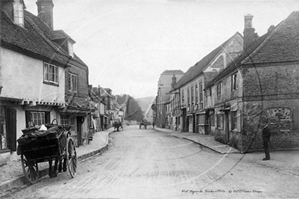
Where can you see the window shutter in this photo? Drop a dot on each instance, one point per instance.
(47, 117)
(27, 118)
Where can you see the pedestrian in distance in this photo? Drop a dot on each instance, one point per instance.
(153, 124)
(266, 135)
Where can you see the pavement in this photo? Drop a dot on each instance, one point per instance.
(207, 141)
(286, 161)
(98, 145)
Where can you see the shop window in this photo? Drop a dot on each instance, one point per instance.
(220, 121)
(37, 118)
(64, 120)
(212, 119)
(233, 120)
(201, 119)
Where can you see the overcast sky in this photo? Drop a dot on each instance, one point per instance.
(127, 44)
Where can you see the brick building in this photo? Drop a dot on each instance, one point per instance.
(260, 86)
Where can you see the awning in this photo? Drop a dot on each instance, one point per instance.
(234, 107)
(189, 115)
(10, 99)
(200, 112)
(225, 109)
(75, 111)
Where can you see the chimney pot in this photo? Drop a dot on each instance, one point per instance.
(249, 31)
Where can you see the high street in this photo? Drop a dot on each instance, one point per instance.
(151, 164)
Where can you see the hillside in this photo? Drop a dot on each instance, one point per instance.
(145, 102)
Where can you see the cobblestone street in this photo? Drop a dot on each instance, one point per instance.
(151, 164)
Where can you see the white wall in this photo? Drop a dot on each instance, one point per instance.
(22, 77)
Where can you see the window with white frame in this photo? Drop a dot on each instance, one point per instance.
(64, 120)
(233, 120)
(192, 94)
(37, 118)
(196, 93)
(188, 96)
(182, 96)
(50, 73)
(201, 95)
(18, 13)
(234, 84)
(72, 82)
(219, 88)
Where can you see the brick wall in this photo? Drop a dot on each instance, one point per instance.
(271, 80)
(82, 78)
(285, 130)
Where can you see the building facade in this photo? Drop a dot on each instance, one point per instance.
(194, 117)
(36, 62)
(261, 86)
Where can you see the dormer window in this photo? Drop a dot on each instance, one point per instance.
(18, 13)
(70, 48)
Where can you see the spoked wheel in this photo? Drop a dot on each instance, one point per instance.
(71, 157)
(30, 170)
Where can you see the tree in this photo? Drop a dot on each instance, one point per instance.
(132, 109)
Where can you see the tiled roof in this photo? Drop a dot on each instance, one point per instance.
(59, 34)
(282, 45)
(34, 40)
(198, 68)
(279, 45)
(27, 39)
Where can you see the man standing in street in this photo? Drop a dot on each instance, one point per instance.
(266, 134)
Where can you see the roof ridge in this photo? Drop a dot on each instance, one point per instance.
(216, 54)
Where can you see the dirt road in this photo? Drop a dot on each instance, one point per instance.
(149, 164)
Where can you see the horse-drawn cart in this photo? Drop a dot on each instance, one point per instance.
(55, 143)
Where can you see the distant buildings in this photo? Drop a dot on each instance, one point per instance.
(163, 96)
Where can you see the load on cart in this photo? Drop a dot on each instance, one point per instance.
(117, 124)
(49, 142)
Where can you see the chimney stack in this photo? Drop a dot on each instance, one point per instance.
(45, 11)
(174, 79)
(249, 31)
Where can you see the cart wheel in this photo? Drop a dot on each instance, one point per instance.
(30, 170)
(71, 157)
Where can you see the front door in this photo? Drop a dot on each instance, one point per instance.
(79, 130)
(227, 135)
(8, 128)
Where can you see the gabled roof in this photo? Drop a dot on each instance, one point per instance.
(200, 66)
(278, 45)
(34, 40)
(60, 34)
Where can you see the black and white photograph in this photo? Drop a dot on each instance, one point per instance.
(149, 99)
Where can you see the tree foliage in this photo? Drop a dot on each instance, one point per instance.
(132, 109)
